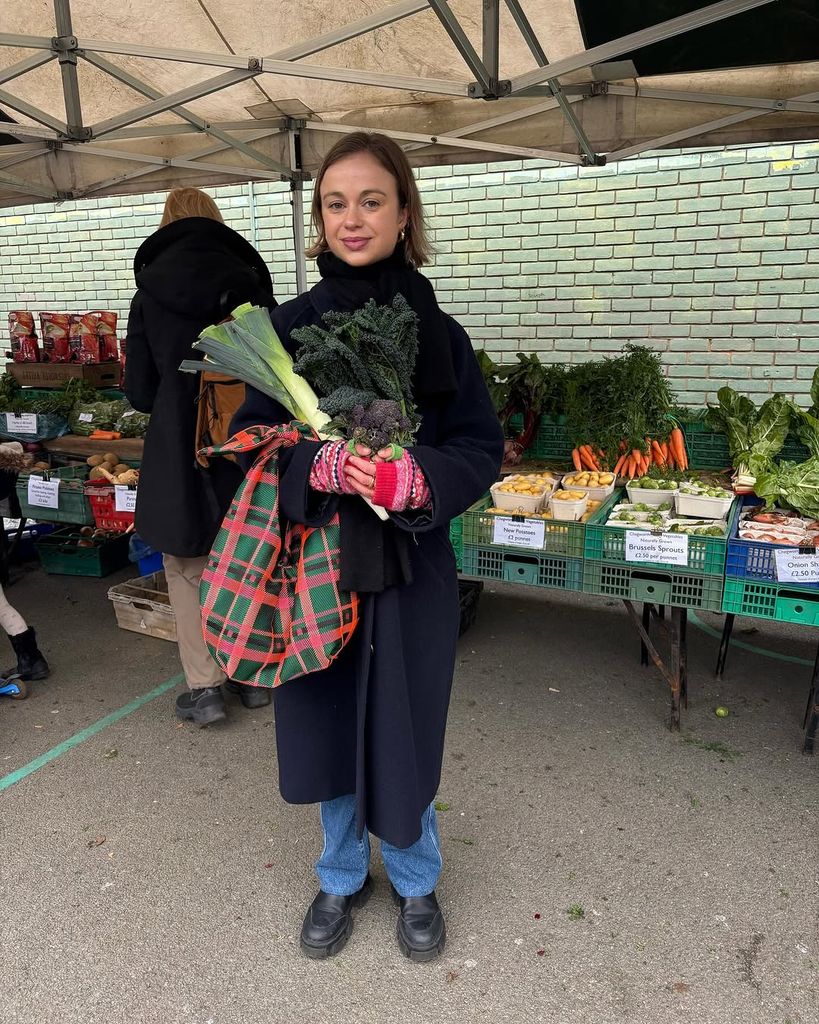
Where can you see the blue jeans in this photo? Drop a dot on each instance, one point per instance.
(345, 859)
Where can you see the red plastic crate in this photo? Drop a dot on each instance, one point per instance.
(103, 505)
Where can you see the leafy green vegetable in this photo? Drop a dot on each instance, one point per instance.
(754, 436)
(494, 376)
(248, 347)
(806, 426)
(791, 484)
(368, 352)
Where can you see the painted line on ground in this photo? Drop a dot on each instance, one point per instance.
(85, 734)
(717, 634)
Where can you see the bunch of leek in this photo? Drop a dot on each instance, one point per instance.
(248, 348)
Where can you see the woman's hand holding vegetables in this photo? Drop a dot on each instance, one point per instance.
(329, 469)
(396, 485)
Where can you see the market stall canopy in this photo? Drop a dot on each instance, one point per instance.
(110, 98)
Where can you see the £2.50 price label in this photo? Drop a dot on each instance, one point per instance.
(793, 567)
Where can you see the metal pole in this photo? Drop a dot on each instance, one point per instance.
(66, 45)
(297, 204)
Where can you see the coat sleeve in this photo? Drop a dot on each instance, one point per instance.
(467, 457)
(141, 373)
(298, 501)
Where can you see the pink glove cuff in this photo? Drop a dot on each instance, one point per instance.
(327, 474)
(401, 485)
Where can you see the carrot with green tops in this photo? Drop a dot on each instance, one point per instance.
(619, 464)
(576, 460)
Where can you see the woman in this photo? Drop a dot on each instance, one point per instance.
(364, 738)
(31, 664)
(189, 273)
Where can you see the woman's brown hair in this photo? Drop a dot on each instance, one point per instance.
(189, 202)
(393, 159)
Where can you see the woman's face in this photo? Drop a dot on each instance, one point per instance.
(360, 210)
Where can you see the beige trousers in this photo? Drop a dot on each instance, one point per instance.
(183, 575)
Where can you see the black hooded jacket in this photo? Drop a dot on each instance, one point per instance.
(189, 274)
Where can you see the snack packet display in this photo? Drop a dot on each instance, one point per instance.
(24, 347)
(55, 329)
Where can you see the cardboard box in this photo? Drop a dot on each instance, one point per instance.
(54, 375)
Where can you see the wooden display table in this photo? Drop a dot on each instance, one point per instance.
(129, 449)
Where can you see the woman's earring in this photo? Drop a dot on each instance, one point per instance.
(401, 235)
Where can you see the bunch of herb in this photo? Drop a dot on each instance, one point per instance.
(357, 359)
(621, 400)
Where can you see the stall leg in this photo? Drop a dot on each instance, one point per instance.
(647, 628)
(676, 666)
(724, 644)
(811, 722)
(684, 656)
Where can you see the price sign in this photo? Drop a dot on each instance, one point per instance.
(526, 533)
(25, 424)
(86, 417)
(792, 567)
(671, 548)
(43, 493)
(124, 498)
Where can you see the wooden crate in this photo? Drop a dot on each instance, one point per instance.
(54, 375)
(143, 606)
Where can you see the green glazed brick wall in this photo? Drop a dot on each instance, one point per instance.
(710, 257)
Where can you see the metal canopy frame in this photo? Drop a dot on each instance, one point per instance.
(482, 80)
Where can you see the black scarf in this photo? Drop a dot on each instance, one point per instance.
(374, 554)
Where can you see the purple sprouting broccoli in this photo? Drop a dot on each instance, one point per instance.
(379, 424)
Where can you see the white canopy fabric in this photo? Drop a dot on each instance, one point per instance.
(134, 96)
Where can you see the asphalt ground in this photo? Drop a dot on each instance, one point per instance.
(599, 868)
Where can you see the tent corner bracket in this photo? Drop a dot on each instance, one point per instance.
(494, 91)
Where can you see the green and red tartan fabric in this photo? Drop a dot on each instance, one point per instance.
(271, 606)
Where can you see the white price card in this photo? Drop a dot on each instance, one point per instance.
(671, 548)
(124, 498)
(86, 417)
(524, 533)
(793, 567)
(43, 493)
(25, 424)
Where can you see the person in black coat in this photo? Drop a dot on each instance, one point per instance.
(189, 274)
(364, 738)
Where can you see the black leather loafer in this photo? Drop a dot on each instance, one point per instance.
(421, 927)
(329, 921)
(250, 696)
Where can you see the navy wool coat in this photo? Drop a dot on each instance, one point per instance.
(373, 723)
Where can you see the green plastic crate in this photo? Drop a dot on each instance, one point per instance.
(559, 537)
(706, 448)
(456, 539)
(74, 506)
(519, 565)
(60, 554)
(780, 601)
(608, 544)
(679, 588)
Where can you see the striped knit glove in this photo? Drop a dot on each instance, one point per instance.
(327, 474)
(401, 485)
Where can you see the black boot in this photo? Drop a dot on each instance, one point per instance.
(421, 927)
(30, 662)
(329, 921)
(250, 696)
(202, 706)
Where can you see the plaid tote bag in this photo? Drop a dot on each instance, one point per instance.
(271, 606)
